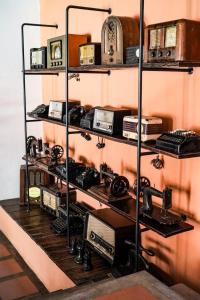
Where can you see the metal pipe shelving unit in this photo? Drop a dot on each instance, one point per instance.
(141, 68)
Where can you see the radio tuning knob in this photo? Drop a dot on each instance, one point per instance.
(92, 236)
(153, 54)
(169, 53)
(111, 51)
(160, 54)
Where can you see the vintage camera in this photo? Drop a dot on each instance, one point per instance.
(56, 50)
(177, 40)
(106, 232)
(117, 34)
(151, 128)
(109, 120)
(53, 197)
(89, 177)
(90, 54)
(38, 58)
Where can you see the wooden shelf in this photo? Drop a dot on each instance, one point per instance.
(178, 66)
(126, 208)
(150, 146)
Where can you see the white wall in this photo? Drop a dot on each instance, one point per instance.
(12, 14)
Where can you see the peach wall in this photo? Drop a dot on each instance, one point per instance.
(174, 96)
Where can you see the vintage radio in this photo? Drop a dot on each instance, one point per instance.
(38, 58)
(109, 120)
(53, 197)
(56, 110)
(37, 178)
(117, 34)
(56, 50)
(177, 40)
(151, 128)
(106, 232)
(132, 55)
(90, 54)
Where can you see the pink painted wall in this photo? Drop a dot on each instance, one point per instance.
(171, 95)
(45, 269)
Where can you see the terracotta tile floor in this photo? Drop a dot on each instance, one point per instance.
(17, 281)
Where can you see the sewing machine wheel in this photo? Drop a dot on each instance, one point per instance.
(144, 182)
(29, 141)
(119, 186)
(57, 152)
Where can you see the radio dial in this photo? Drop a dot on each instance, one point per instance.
(160, 54)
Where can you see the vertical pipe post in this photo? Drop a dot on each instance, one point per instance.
(25, 121)
(139, 149)
(67, 126)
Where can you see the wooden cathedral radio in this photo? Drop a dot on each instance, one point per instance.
(117, 34)
(37, 178)
(177, 40)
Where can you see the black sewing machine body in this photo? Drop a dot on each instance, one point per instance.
(157, 213)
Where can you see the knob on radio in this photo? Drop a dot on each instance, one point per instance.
(92, 236)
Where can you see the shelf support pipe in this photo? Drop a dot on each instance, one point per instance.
(67, 72)
(139, 145)
(24, 101)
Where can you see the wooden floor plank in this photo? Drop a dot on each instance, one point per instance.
(36, 224)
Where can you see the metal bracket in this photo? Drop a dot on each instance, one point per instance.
(148, 153)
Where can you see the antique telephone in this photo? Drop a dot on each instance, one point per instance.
(161, 215)
(41, 110)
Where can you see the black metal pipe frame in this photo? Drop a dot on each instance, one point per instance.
(139, 148)
(24, 100)
(168, 69)
(67, 99)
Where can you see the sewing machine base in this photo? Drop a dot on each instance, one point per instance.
(104, 192)
(162, 217)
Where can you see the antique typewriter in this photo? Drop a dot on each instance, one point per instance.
(179, 142)
(77, 215)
